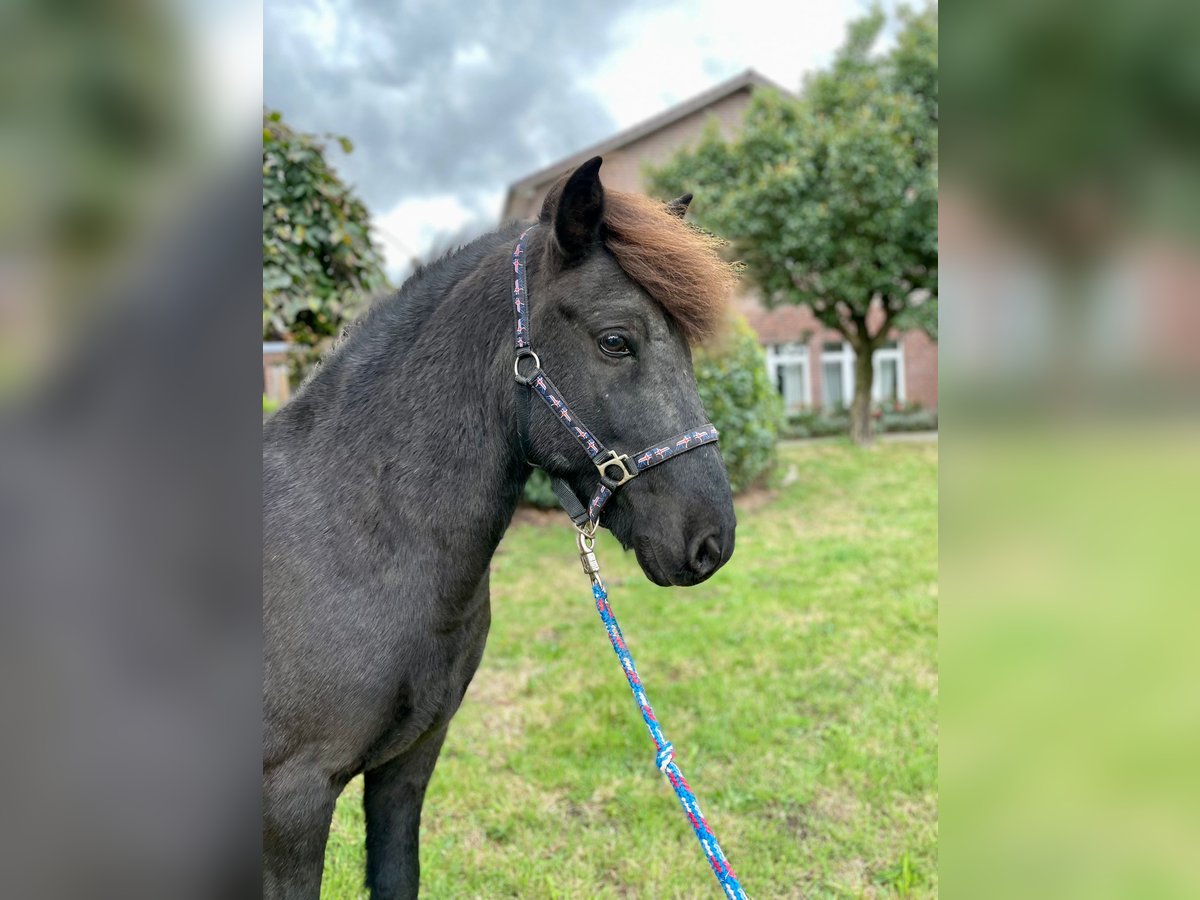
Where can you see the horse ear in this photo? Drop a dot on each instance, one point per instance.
(678, 207)
(580, 210)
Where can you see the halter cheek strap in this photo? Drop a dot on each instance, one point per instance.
(615, 469)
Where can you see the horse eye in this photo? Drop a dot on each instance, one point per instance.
(614, 345)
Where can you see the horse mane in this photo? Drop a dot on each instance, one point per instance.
(678, 265)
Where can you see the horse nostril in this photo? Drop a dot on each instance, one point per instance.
(706, 554)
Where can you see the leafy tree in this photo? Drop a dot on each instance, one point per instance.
(319, 262)
(831, 200)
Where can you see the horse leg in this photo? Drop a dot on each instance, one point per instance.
(298, 802)
(392, 797)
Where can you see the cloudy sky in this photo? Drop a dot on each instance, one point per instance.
(449, 102)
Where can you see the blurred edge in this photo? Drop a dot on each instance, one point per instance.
(1070, 354)
(130, 626)
(128, 256)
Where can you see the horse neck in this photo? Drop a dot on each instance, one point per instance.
(425, 446)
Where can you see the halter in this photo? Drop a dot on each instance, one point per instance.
(615, 468)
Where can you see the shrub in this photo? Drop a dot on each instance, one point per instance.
(816, 423)
(911, 419)
(741, 402)
(320, 263)
(813, 423)
(538, 491)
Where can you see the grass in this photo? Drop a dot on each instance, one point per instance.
(799, 686)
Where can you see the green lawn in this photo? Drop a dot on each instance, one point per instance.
(799, 686)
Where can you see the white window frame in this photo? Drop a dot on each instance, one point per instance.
(883, 354)
(846, 357)
(843, 356)
(791, 354)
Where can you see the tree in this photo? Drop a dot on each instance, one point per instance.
(319, 262)
(831, 200)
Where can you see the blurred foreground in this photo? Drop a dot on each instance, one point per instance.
(129, 644)
(1071, 445)
(130, 636)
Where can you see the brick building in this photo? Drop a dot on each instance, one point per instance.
(811, 364)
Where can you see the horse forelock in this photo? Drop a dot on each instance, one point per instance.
(679, 266)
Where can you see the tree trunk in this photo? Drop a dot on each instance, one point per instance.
(861, 426)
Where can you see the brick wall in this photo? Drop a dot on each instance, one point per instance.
(920, 368)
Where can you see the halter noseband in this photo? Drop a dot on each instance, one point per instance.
(615, 468)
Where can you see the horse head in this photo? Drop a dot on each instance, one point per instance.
(621, 289)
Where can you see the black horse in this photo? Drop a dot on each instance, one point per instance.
(390, 478)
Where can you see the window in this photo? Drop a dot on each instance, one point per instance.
(888, 384)
(837, 375)
(787, 367)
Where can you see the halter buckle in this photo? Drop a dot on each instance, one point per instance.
(621, 461)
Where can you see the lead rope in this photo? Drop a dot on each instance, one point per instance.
(664, 759)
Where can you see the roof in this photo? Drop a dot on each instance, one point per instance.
(747, 79)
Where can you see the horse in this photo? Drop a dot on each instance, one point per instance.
(392, 475)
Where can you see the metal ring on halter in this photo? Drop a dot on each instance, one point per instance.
(525, 353)
(587, 532)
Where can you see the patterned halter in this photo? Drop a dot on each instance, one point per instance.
(615, 468)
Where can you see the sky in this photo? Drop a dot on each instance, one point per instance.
(448, 103)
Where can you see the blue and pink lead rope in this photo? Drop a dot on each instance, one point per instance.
(665, 757)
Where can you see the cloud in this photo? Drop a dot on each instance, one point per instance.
(408, 230)
(438, 98)
(448, 103)
(679, 50)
